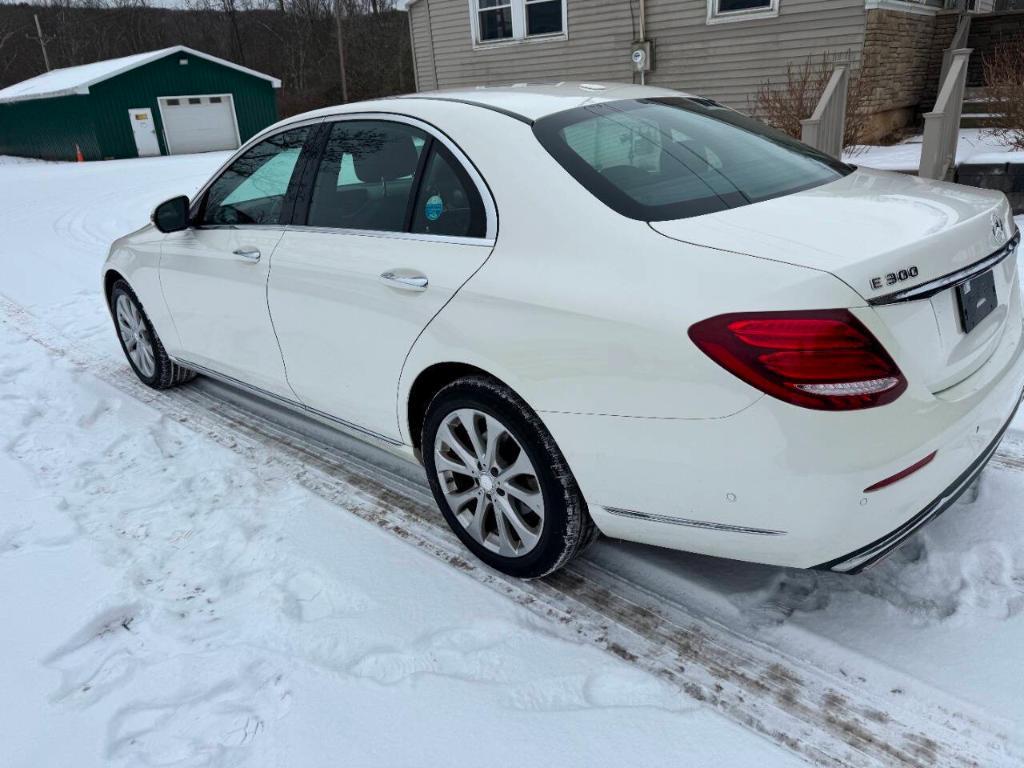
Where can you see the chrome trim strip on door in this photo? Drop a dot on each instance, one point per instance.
(347, 426)
(939, 284)
(477, 241)
(704, 524)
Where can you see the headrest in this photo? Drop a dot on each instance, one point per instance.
(396, 159)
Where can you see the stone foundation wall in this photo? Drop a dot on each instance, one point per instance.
(945, 31)
(897, 59)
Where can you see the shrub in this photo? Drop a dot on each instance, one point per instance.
(784, 105)
(1004, 87)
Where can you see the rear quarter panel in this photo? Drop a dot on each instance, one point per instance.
(581, 310)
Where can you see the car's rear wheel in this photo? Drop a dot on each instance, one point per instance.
(501, 481)
(143, 348)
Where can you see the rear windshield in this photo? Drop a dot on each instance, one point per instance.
(662, 159)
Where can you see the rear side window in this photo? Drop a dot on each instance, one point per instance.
(367, 176)
(662, 159)
(392, 177)
(448, 202)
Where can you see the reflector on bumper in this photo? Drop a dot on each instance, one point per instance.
(865, 557)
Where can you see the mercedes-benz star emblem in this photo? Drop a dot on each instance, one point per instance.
(997, 229)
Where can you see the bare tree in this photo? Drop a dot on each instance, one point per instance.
(1004, 87)
(784, 105)
(295, 40)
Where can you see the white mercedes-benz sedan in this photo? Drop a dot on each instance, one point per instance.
(606, 308)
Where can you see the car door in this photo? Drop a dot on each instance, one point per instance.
(395, 222)
(214, 274)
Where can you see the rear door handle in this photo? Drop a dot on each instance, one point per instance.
(406, 282)
(249, 254)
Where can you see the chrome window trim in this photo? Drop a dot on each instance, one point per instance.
(241, 227)
(295, 405)
(490, 209)
(703, 524)
(940, 284)
(473, 241)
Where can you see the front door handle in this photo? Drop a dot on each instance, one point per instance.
(406, 282)
(249, 254)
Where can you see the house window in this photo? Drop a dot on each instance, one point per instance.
(740, 10)
(497, 21)
(543, 17)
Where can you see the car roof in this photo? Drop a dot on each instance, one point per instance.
(532, 101)
(527, 102)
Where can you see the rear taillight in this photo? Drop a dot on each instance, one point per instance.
(822, 359)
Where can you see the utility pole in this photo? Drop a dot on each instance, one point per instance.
(42, 41)
(341, 52)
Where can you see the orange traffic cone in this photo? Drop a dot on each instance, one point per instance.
(79, 157)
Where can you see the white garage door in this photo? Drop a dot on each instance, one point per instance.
(199, 123)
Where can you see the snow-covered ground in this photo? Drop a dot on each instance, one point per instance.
(976, 145)
(171, 601)
(166, 602)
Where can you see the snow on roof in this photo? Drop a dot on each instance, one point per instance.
(76, 80)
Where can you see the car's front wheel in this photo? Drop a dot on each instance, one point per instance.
(501, 481)
(141, 345)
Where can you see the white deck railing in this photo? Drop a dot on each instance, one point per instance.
(824, 129)
(942, 124)
(960, 37)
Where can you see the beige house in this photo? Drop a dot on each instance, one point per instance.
(722, 49)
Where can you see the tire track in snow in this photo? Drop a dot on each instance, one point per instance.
(825, 719)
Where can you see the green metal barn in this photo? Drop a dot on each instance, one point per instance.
(167, 102)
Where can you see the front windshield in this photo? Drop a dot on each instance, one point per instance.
(662, 159)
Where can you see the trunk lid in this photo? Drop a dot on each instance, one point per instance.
(883, 233)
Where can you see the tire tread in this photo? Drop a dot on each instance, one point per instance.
(168, 373)
(581, 531)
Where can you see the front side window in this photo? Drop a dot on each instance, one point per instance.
(738, 10)
(253, 188)
(497, 21)
(674, 158)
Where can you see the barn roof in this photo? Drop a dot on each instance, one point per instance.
(77, 80)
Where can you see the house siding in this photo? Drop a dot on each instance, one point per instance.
(600, 34)
(726, 61)
(420, 31)
(729, 61)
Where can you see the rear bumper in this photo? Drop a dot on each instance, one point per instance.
(867, 556)
(788, 486)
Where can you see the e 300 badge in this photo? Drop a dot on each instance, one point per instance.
(894, 277)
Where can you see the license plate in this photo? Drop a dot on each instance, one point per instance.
(977, 299)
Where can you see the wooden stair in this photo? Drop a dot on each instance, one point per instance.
(979, 111)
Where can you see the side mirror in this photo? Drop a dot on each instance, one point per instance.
(172, 215)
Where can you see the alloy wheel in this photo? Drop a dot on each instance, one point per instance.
(135, 335)
(489, 482)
